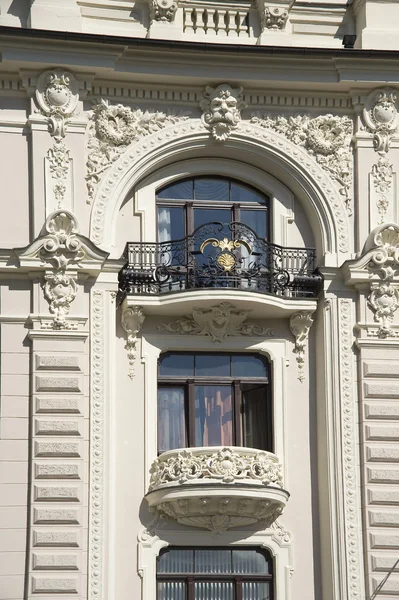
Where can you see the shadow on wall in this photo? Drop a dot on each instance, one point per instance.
(20, 10)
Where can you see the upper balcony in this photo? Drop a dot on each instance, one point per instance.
(217, 256)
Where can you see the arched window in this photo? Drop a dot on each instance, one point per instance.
(214, 574)
(207, 399)
(190, 203)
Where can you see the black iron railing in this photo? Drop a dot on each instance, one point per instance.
(219, 255)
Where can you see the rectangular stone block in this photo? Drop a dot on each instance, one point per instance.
(385, 562)
(56, 427)
(382, 475)
(59, 404)
(14, 429)
(50, 493)
(382, 453)
(55, 585)
(57, 471)
(15, 406)
(13, 540)
(57, 449)
(390, 587)
(380, 432)
(383, 496)
(54, 383)
(56, 515)
(384, 540)
(380, 389)
(58, 362)
(61, 562)
(377, 410)
(61, 538)
(382, 368)
(383, 518)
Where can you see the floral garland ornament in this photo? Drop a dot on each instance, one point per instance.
(112, 129)
(383, 176)
(221, 108)
(300, 324)
(59, 161)
(326, 138)
(381, 118)
(132, 320)
(61, 253)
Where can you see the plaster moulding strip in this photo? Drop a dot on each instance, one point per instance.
(190, 96)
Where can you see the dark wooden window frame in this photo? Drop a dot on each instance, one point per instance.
(188, 383)
(236, 578)
(236, 207)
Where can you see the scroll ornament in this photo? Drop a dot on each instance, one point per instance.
(222, 110)
(57, 97)
(327, 138)
(112, 129)
(218, 322)
(381, 118)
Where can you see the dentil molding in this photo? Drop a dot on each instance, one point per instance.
(218, 322)
(61, 253)
(222, 110)
(300, 324)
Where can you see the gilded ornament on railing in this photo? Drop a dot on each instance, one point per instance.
(226, 259)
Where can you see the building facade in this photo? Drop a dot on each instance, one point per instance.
(199, 249)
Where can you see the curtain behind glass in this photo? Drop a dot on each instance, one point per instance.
(171, 590)
(171, 419)
(213, 415)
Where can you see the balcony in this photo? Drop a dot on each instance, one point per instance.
(218, 488)
(219, 256)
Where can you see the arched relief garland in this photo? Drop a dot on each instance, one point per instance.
(184, 128)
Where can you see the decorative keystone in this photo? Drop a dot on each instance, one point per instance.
(222, 110)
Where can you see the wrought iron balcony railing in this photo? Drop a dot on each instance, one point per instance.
(219, 255)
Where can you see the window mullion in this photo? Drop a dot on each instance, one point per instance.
(190, 588)
(237, 414)
(238, 588)
(191, 412)
(189, 218)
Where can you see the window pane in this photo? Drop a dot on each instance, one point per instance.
(213, 561)
(213, 415)
(250, 561)
(171, 419)
(171, 590)
(176, 561)
(207, 365)
(209, 590)
(255, 416)
(247, 365)
(211, 189)
(257, 220)
(209, 215)
(177, 365)
(183, 190)
(242, 193)
(256, 590)
(170, 223)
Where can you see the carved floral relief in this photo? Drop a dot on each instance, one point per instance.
(327, 138)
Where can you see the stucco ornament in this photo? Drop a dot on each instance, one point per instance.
(383, 175)
(384, 302)
(218, 322)
(163, 10)
(59, 160)
(57, 97)
(222, 110)
(112, 129)
(274, 18)
(327, 138)
(381, 118)
(132, 320)
(300, 324)
(60, 290)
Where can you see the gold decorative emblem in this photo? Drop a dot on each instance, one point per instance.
(227, 259)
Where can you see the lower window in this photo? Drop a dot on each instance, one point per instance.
(214, 574)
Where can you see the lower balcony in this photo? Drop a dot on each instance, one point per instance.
(218, 488)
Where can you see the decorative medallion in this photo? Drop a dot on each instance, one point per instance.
(222, 110)
(274, 18)
(226, 260)
(163, 10)
(218, 322)
(57, 98)
(381, 117)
